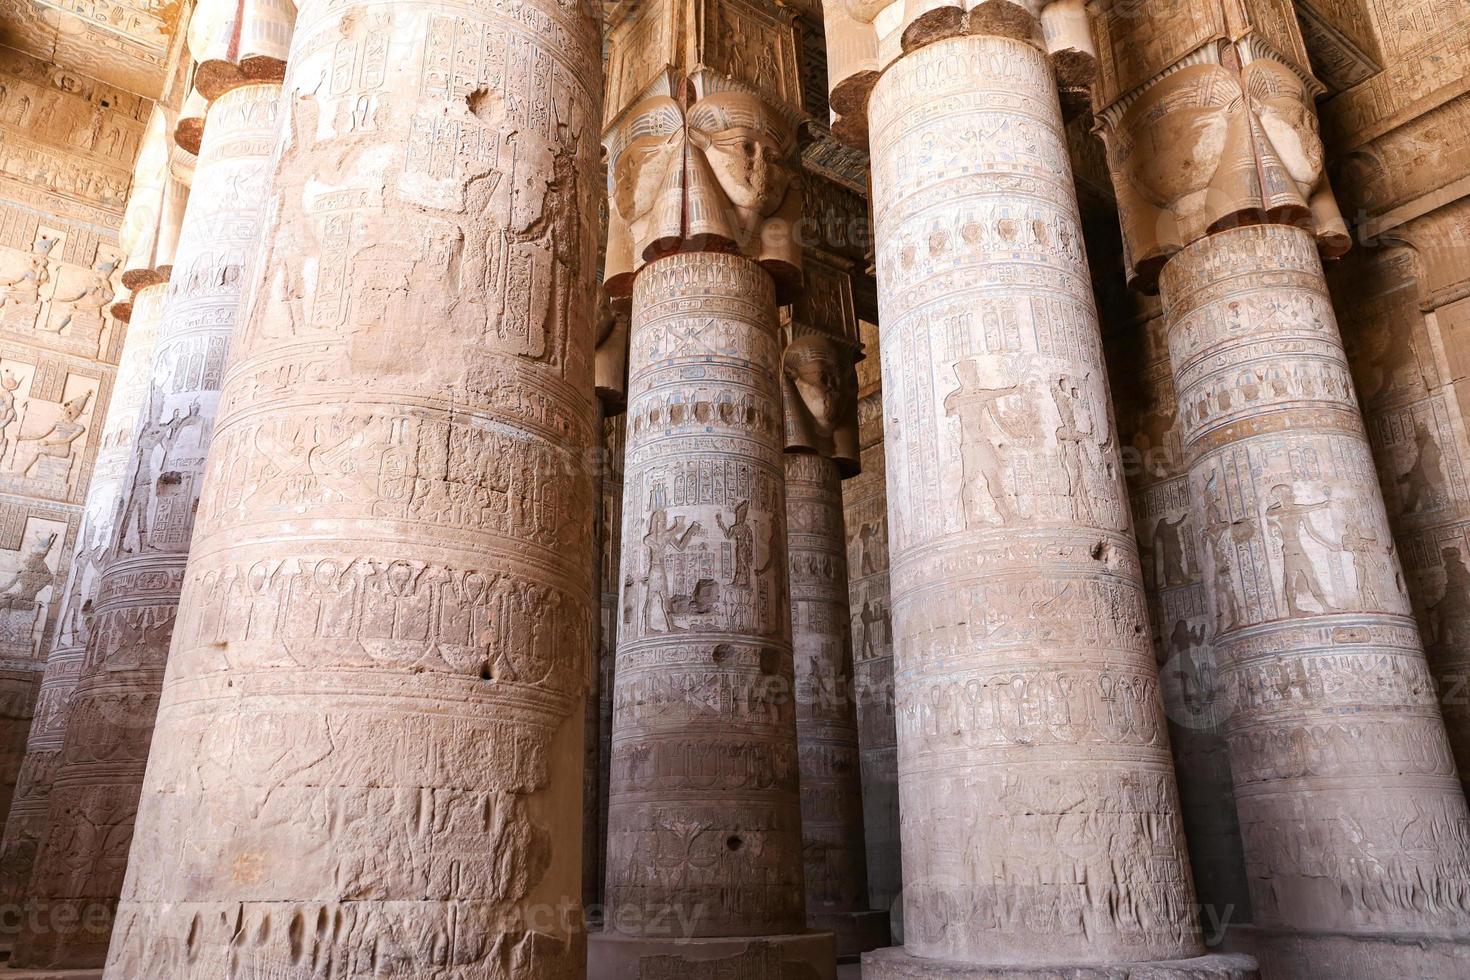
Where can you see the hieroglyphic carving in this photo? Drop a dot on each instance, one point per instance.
(704, 671)
(150, 530)
(418, 657)
(72, 628)
(1174, 565)
(866, 518)
(865, 37)
(1027, 694)
(1307, 601)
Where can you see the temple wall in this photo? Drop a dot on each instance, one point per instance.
(67, 147)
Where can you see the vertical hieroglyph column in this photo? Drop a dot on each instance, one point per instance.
(141, 310)
(368, 755)
(1353, 823)
(819, 399)
(704, 867)
(1040, 820)
(94, 798)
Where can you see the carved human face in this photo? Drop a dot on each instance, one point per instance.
(1282, 106)
(813, 367)
(1179, 132)
(748, 166)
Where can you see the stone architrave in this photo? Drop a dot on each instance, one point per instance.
(704, 865)
(82, 857)
(819, 401)
(1354, 827)
(369, 743)
(1040, 820)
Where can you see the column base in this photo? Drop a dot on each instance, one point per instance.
(856, 932)
(807, 956)
(895, 964)
(1352, 956)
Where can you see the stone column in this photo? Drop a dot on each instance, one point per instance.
(149, 249)
(819, 397)
(1174, 572)
(1041, 825)
(1337, 744)
(369, 747)
(1354, 826)
(704, 867)
(83, 855)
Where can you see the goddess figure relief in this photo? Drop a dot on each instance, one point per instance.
(1209, 145)
(707, 169)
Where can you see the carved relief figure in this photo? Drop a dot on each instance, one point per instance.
(1290, 521)
(153, 435)
(25, 288)
(9, 383)
(661, 541)
(1449, 616)
(1169, 550)
(1422, 482)
(980, 440)
(56, 442)
(92, 299)
(743, 536)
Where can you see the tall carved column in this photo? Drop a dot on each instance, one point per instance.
(1041, 826)
(1174, 572)
(369, 747)
(82, 857)
(140, 236)
(1354, 825)
(819, 396)
(704, 875)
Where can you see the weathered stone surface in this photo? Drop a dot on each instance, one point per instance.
(896, 964)
(27, 821)
(1174, 569)
(1028, 697)
(704, 816)
(388, 610)
(1337, 744)
(833, 845)
(82, 857)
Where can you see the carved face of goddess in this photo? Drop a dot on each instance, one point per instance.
(813, 367)
(1179, 133)
(748, 166)
(1283, 108)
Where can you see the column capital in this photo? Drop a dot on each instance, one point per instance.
(703, 103)
(819, 364)
(1208, 113)
(865, 37)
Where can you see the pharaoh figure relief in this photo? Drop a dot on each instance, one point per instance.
(27, 586)
(43, 439)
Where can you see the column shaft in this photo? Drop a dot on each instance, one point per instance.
(30, 810)
(368, 751)
(704, 814)
(94, 797)
(1351, 814)
(1040, 817)
(833, 843)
